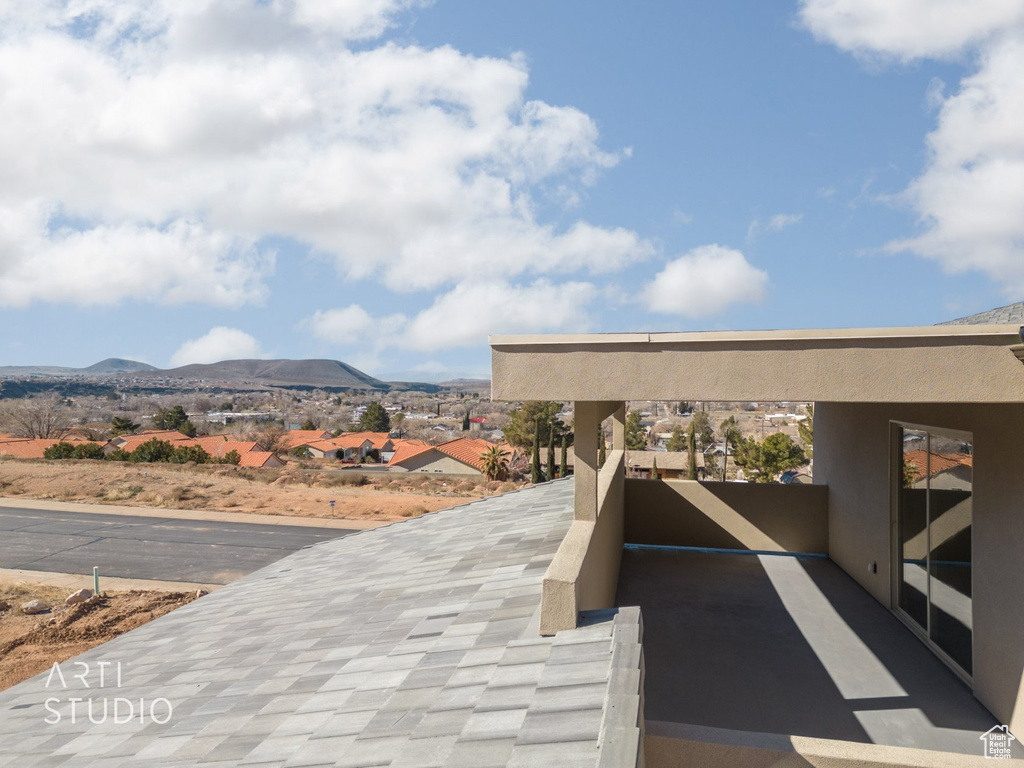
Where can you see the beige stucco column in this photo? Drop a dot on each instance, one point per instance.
(585, 418)
(619, 428)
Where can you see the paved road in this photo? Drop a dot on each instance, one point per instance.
(146, 547)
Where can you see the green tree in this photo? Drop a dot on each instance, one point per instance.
(152, 450)
(677, 442)
(701, 422)
(551, 454)
(122, 425)
(805, 430)
(636, 436)
(465, 422)
(375, 419)
(187, 428)
(308, 425)
(775, 455)
(535, 476)
(119, 454)
(495, 463)
(59, 450)
(602, 454)
(731, 436)
(170, 418)
(231, 457)
(563, 468)
(533, 415)
(685, 408)
(654, 468)
(691, 453)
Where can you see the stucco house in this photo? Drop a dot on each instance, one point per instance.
(461, 456)
(889, 592)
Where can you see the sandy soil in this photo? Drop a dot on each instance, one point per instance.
(31, 644)
(295, 491)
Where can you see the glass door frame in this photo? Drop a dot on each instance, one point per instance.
(896, 429)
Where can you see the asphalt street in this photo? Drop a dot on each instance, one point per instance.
(146, 547)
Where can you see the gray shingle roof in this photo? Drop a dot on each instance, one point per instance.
(410, 645)
(1011, 313)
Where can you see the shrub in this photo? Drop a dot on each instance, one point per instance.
(184, 454)
(119, 454)
(59, 451)
(89, 451)
(152, 450)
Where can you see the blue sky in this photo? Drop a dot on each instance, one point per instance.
(387, 182)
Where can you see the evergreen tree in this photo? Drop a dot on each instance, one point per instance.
(535, 476)
(170, 418)
(601, 455)
(691, 449)
(308, 425)
(563, 470)
(551, 454)
(678, 441)
(122, 425)
(465, 422)
(375, 419)
(654, 469)
(636, 436)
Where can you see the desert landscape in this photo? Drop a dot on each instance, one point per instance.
(289, 491)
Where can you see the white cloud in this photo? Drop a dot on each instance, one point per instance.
(219, 344)
(704, 281)
(468, 313)
(780, 221)
(180, 262)
(414, 167)
(969, 197)
(908, 29)
(351, 325)
(463, 317)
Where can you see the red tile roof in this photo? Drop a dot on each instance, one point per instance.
(297, 437)
(406, 449)
(255, 458)
(941, 462)
(468, 450)
(24, 448)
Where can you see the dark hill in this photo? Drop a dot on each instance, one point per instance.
(326, 373)
(113, 366)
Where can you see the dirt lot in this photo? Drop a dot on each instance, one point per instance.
(296, 491)
(31, 644)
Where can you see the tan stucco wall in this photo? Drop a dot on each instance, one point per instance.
(435, 461)
(584, 573)
(851, 457)
(787, 518)
(873, 369)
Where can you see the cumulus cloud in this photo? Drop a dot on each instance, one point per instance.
(219, 344)
(970, 195)
(908, 29)
(704, 281)
(414, 167)
(464, 316)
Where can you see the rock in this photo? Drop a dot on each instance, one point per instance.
(93, 600)
(201, 592)
(33, 607)
(78, 597)
(4, 606)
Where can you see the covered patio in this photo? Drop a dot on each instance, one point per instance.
(770, 644)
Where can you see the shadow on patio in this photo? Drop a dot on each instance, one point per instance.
(789, 645)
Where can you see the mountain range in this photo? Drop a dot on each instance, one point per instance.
(316, 373)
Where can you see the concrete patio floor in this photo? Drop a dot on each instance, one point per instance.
(793, 646)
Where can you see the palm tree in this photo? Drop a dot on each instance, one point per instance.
(495, 463)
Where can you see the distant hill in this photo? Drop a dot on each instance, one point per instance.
(114, 366)
(328, 373)
(332, 374)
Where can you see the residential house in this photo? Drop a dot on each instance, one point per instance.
(461, 456)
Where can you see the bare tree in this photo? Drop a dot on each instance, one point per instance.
(43, 417)
(271, 435)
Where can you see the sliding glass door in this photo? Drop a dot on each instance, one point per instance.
(933, 475)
